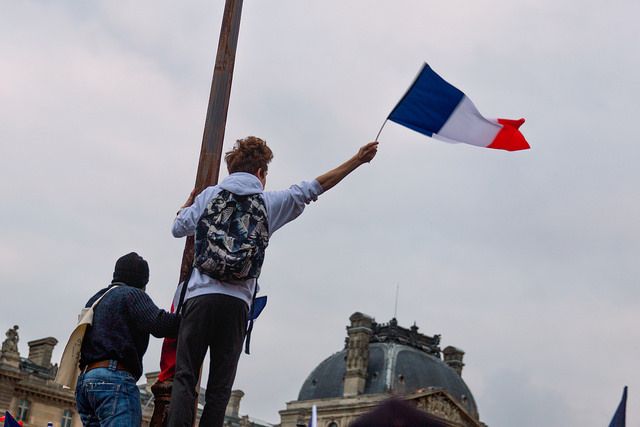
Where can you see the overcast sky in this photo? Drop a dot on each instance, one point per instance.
(528, 261)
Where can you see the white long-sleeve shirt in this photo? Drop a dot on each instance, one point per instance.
(282, 207)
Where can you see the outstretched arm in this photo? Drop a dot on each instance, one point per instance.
(365, 154)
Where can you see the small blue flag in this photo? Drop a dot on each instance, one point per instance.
(258, 305)
(256, 308)
(619, 418)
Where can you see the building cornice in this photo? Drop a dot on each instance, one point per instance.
(47, 391)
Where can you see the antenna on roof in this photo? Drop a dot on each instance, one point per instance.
(395, 311)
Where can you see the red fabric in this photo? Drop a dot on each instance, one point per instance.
(168, 357)
(509, 138)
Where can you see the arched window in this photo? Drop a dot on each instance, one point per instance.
(67, 418)
(332, 424)
(23, 410)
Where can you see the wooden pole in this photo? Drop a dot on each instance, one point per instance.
(215, 123)
(210, 153)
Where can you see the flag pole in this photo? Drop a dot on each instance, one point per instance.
(380, 131)
(395, 311)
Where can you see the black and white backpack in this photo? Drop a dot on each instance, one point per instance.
(231, 237)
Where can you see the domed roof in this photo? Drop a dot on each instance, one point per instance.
(393, 367)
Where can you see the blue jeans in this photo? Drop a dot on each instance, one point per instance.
(108, 398)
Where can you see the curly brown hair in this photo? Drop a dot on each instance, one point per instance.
(248, 155)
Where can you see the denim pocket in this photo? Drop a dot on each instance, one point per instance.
(103, 397)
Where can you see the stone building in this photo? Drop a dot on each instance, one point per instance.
(28, 392)
(26, 387)
(380, 361)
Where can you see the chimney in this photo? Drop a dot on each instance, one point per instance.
(453, 357)
(233, 407)
(357, 354)
(40, 351)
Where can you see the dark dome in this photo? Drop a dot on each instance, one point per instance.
(392, 367)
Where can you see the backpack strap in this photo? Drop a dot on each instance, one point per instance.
(183, 291)
(247, 342)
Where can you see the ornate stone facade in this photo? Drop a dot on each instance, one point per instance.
(358, 354)
(380, 361)
(28, 392)
(342, 411)
(26, 385)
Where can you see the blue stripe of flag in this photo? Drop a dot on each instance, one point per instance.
(427, 104)
(619, 418)
(9, 421)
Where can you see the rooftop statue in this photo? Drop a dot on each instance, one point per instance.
(10, 345)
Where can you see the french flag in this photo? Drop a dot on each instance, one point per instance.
(437, 109)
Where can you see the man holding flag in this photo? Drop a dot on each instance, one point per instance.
(226, 219)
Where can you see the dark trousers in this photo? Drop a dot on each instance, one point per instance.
(216, 322)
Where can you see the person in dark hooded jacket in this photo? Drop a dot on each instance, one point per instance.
(113, 347)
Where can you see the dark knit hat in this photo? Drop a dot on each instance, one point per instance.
(131, 269)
